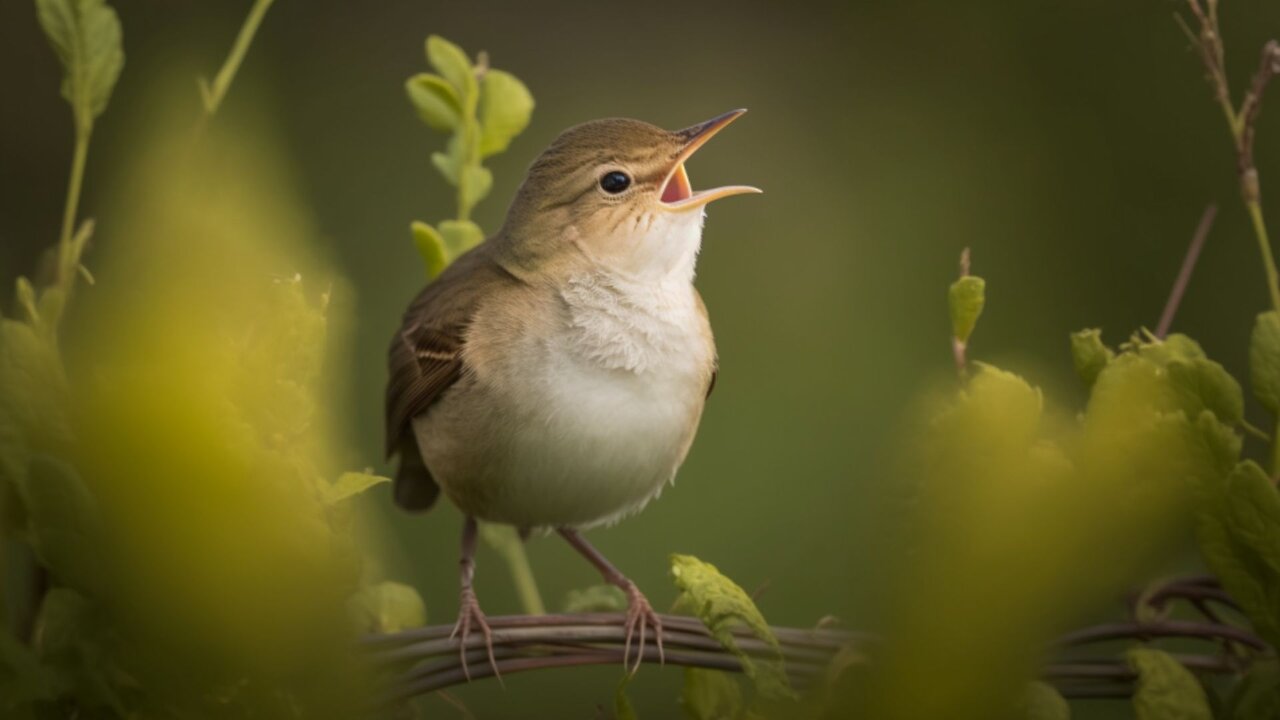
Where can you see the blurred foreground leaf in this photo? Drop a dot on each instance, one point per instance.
(1166, 690)
(388, 607)
(86, 36)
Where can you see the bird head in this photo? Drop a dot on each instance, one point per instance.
(617, 191)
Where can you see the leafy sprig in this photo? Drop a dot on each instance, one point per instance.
(482, 109)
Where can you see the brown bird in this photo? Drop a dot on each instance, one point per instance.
(554, 376)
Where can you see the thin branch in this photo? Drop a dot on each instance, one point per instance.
(427, 659)
(959, 348)
(1165, 629)
(1184, 274)
(212, 94)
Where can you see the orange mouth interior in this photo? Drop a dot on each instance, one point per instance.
(677, 187)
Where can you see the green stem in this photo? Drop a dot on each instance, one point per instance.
(222, 82)
(526, 585)
(67, 257)
(1264, 245)
(504, 539)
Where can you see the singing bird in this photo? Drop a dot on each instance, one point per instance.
(553, 377)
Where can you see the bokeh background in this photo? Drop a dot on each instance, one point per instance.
(1072, 144)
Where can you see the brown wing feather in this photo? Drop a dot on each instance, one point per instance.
(425, 359)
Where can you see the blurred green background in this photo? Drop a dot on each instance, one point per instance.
(1072, 144)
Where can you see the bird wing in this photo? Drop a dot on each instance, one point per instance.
(425, 359)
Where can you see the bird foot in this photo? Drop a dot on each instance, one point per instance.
(470, 615)
(640, 616)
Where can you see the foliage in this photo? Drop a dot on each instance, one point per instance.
(1166, 689)
(722, 606)
(173, 482)
(483, 109)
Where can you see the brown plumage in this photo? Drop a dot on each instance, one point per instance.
(555, 375)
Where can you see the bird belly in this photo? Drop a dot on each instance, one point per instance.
(580, 446)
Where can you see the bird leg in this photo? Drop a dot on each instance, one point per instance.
(469, 612)
(640, 614)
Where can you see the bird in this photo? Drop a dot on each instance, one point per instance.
(553, 377)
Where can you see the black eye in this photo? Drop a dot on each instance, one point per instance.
(615, 182)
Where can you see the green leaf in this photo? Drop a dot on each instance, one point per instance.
(622, 707)
(459, 236)
(1042, 701)
(1238, 530)
(1175, 347)
(436, 101)
(474, 183)
(450, 61)
(1264, 360)
(1257, 695)
(64, 521)
(723, 606)
(24, 681)
(351, 483)
(431, 247)
(1089, 355)
(505, 108)
(451, 162)
(966, 299)
(1202, 384)
(85, 34)
(710, 695)
(596, 598)
(1166, 690)
(388, 607)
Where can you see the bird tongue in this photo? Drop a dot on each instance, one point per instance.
(677, 188)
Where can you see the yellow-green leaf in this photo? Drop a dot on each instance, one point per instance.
(596, 598)
(710, 695)
(1089, 355)
(723, 607)
(966, 299)
(388, 607)
(431, 246)
(622, 707)
(436, 101)
(85, 34)
(459, 236)
(1166, 690)
(1264, 360)
(1041, 701)
(1202, 384)
(474, 183)
(350, 484)
(505, 108)
(450, 61)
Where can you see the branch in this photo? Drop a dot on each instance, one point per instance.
(1184, 274)
(427, 659)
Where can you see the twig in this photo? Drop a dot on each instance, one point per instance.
(959, 347)
(1164, 629)
(212, 94)
(428, 659)
(1184, 274)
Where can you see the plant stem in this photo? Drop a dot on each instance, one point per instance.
(509, 545)
(526, 585)
(66, 260)
(1264, 245)
(222, 82)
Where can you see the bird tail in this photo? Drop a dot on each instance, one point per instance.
(414, 488)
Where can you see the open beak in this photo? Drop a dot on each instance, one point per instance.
(677, 194)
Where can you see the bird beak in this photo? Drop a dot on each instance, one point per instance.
(676, 193)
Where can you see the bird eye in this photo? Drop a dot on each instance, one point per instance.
(615, 182)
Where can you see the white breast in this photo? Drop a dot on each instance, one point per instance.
(605, 418)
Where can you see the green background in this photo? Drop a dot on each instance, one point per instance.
(1072, 144)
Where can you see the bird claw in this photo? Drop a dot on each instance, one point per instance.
(640, 615)
(469, 613)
